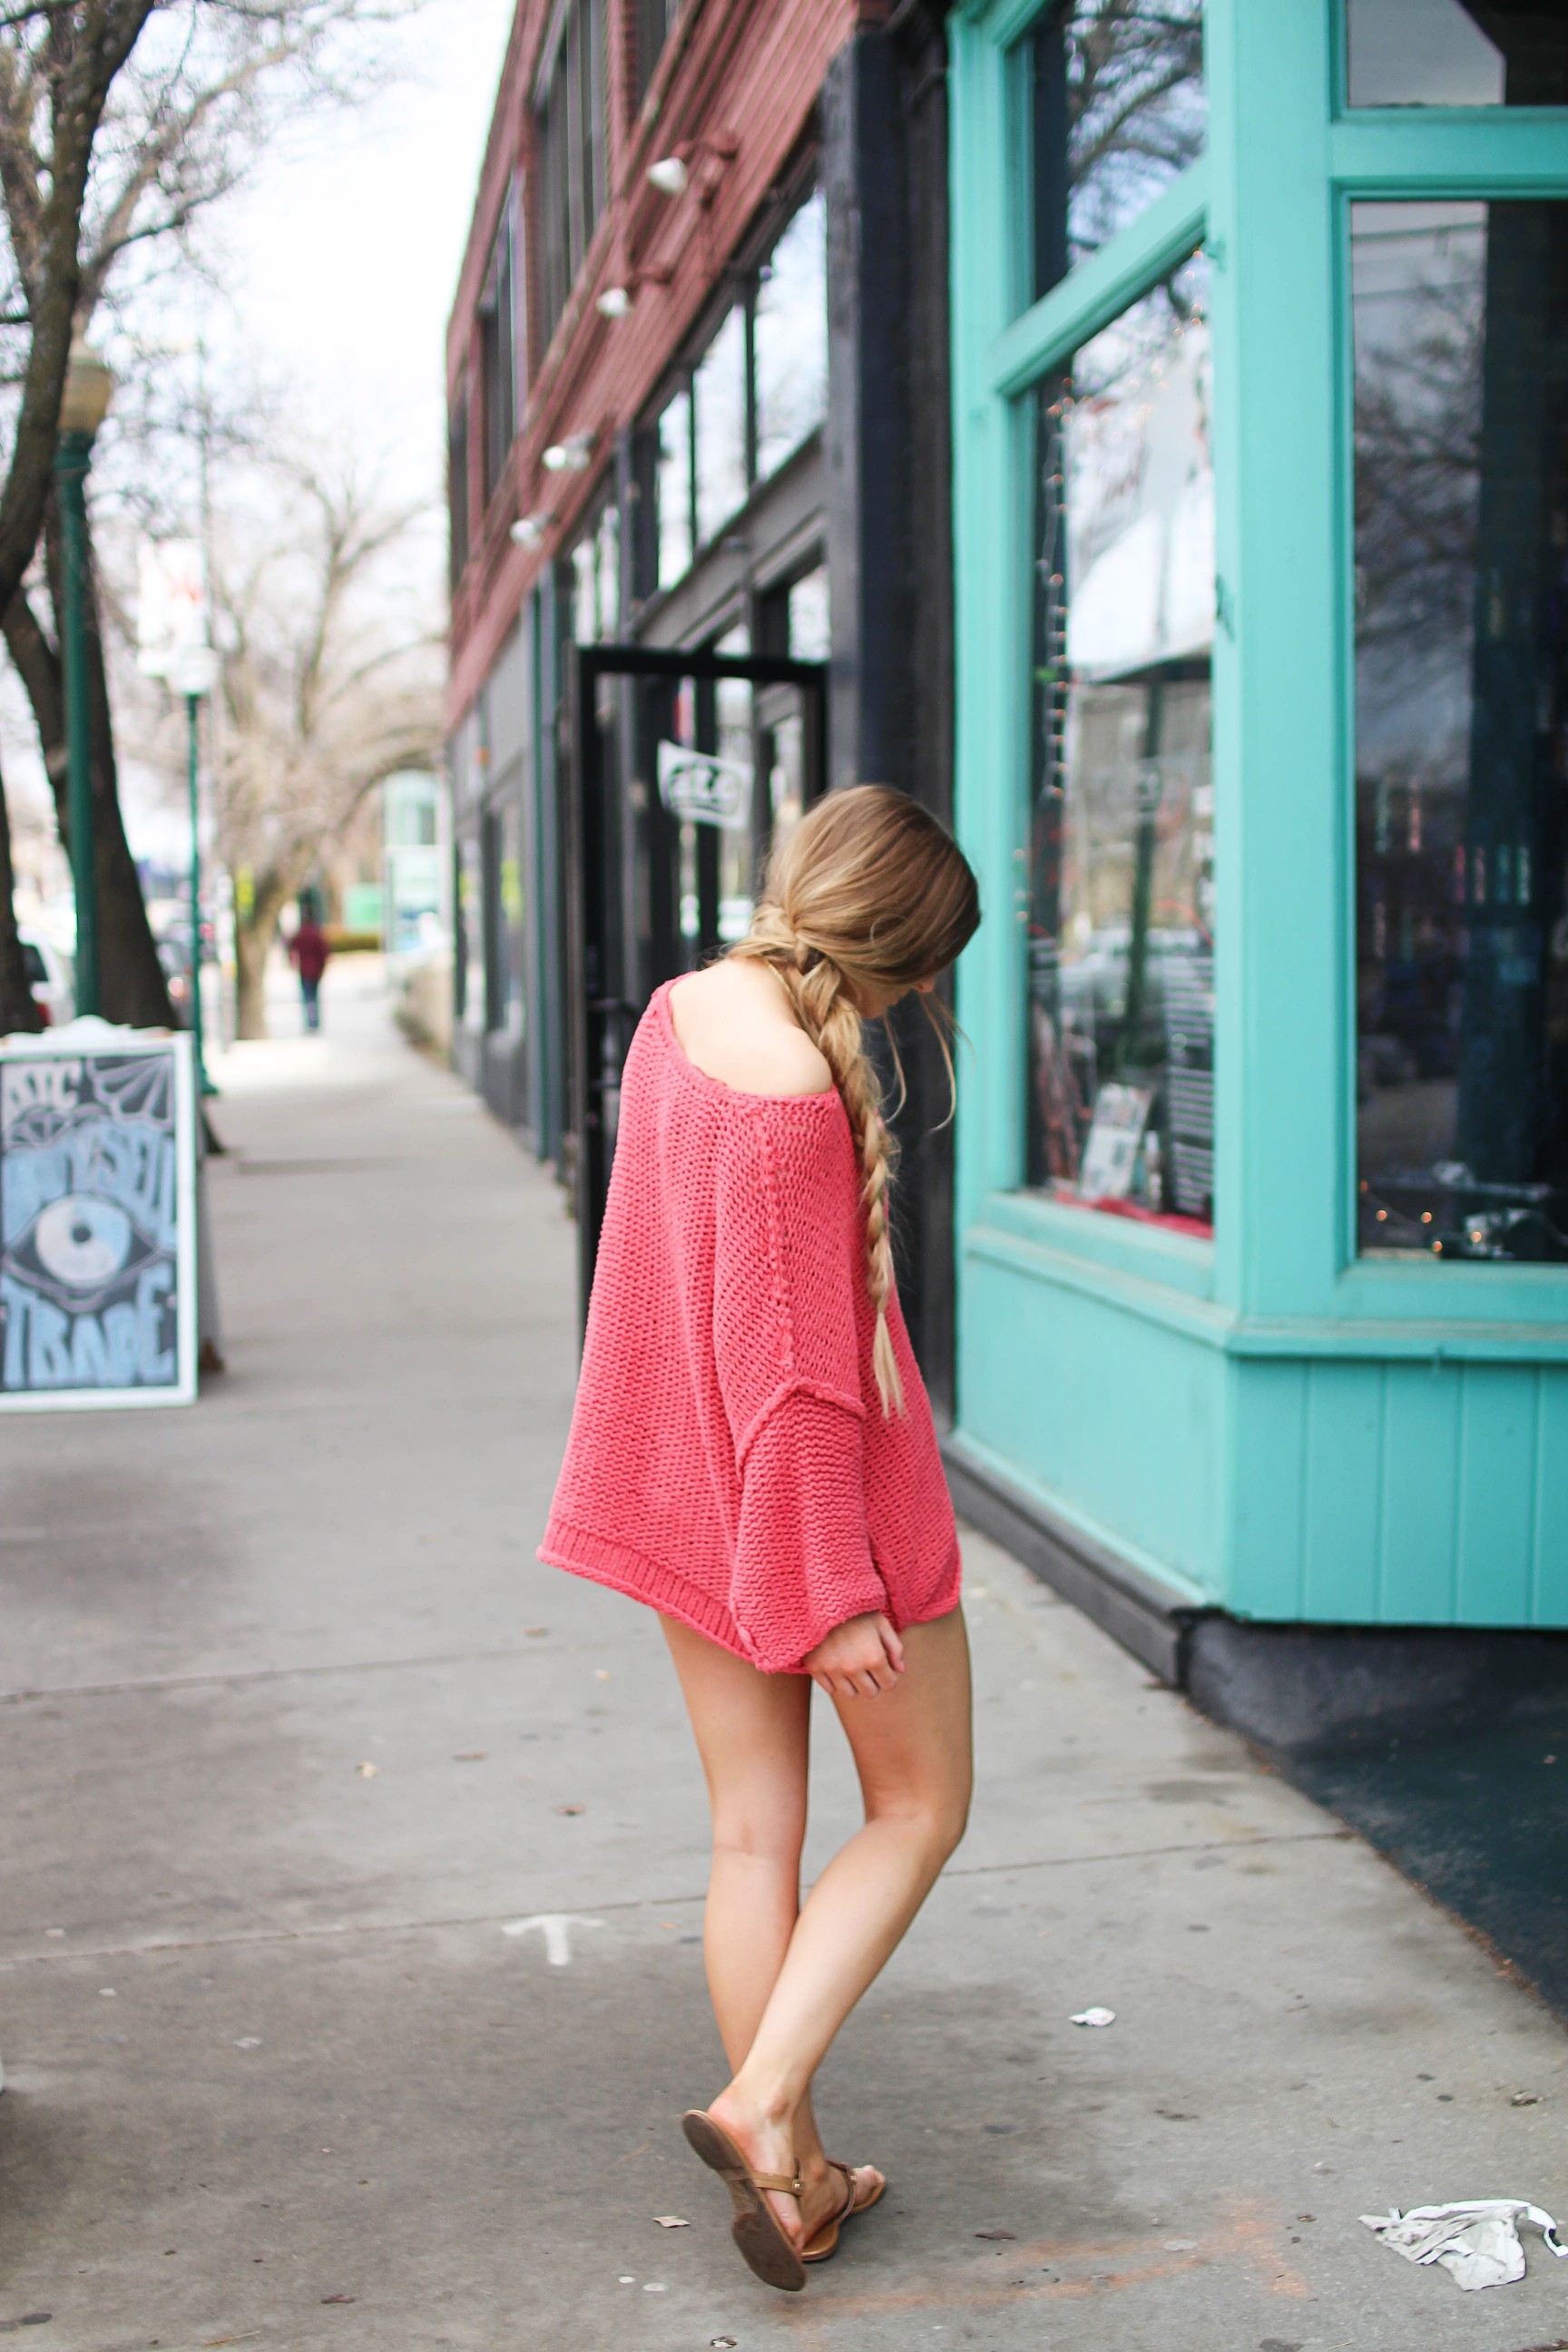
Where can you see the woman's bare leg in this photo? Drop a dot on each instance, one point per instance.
(911, 1750)
(753, 1734)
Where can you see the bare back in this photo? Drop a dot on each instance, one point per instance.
(734, 1023)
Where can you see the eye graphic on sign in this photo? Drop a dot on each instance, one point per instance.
(81, 1240)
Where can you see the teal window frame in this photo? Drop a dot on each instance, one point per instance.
(1283, 1260)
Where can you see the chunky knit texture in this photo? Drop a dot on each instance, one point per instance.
(729, 1460)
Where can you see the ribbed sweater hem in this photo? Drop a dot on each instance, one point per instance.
(603, 1562)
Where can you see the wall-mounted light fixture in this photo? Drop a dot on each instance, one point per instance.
(614, 302)
(529, 530)
(570, 456)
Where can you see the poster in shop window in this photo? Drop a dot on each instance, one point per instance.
(98, 1287)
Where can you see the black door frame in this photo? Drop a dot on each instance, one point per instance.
(601, 1014)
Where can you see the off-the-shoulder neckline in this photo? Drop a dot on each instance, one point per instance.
(666, 1022)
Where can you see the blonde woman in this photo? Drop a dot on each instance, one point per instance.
(752, 1453)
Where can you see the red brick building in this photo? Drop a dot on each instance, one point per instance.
(696, 370)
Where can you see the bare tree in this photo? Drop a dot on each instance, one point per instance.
(197, 88)
(334, 684)
(65, 56)
(1134, 106)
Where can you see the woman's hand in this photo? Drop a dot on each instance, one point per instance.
(864, 1655)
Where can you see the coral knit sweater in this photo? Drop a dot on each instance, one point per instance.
(729, 1462)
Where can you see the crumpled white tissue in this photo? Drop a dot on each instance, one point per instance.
(1477, 2242)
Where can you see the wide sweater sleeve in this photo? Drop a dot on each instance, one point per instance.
(786, 1259)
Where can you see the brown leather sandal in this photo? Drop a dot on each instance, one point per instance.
(764, 2245)
(825, 2242)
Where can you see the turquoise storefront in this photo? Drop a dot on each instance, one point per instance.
(1260, 418)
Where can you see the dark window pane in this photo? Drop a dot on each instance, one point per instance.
(1457, 52)
(570, 160)
(675, 526)
(790, 338)
(1461, 522)
(1118, 111)
(457, 487)
(654, 19)
(719, 394)
(498, 362)
(1121, 915)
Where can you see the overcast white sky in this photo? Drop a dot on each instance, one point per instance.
(347, 243)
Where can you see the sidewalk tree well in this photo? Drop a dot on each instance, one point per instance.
(331, 685)
(121, 122)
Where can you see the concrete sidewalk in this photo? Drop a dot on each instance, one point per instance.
(296, 1729)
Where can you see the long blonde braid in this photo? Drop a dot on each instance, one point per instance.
(826, 1012)
(867, 898)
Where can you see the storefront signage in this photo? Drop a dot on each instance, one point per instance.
(98, 1257)
(1111, 1153)
(705, 790)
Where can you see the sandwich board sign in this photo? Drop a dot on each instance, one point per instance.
(98, 1223)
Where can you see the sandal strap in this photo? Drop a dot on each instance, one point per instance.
(849, 2205)
(786, 2183)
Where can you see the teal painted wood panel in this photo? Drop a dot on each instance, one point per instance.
(1280, 923)
(1344, 1492)
(1130, 1432)
(1548, 1596)
(1420, 1487)
(1268, 1425)
(1500, 1417)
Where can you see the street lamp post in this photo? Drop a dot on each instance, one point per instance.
(194, 673)
(88, 387)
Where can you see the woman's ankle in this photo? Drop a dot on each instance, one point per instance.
(756, 2107)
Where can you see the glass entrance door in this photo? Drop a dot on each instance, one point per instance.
(686, 766)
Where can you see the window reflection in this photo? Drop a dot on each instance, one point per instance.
(735, 741)
(719, 400)
(1461, 503)
(790, 338)
(596, 581)
(1121, 915)
(676, 525)
(1118, 111)
(1455, 53)
(809, 630)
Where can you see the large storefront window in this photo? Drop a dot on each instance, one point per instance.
(789, 332)
(596, 581)
(1457, 53)
(1121, 1072)
(672, 490)
(758, 392)
(1118, 111)
(719, 406)
(1461, 549)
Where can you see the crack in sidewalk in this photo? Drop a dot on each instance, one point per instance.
(627, 1903)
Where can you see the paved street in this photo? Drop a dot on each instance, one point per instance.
(297, 1731)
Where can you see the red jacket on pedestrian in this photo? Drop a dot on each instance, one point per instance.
(308, 951)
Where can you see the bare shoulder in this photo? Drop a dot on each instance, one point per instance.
(734, 1024)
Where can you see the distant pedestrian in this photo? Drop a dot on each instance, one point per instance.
(752, 1453)
(308, 952)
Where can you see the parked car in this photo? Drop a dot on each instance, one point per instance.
(51, 976)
